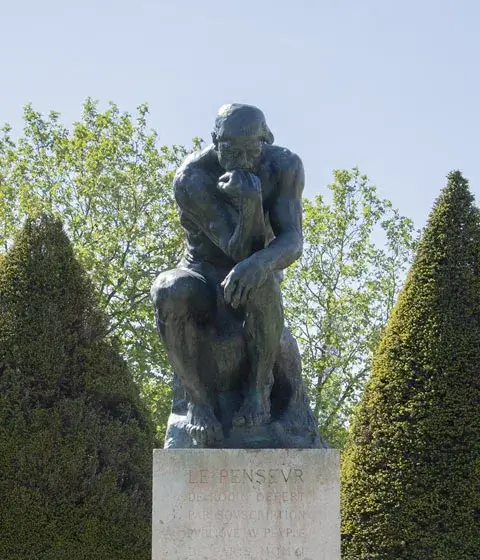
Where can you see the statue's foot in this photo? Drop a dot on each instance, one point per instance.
(294, 416)
(254, 411)
(203, 426)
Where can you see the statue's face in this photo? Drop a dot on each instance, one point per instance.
(241, 152)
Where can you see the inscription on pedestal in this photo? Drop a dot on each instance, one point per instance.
(277, 504)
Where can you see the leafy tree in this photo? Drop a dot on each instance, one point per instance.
(411, 476)
(340, 293)
(75, 437)
(111, 185)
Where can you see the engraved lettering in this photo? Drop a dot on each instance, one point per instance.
(235, 476)
(272, 476)
(299, 474)
(238, 476)
(260, 473)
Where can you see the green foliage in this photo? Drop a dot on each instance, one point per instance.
(339, 295)
(112, 187)
(411, 476)
(75, 437)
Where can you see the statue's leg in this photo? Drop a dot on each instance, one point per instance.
(183, 303)
(290, 404)
(263, 328)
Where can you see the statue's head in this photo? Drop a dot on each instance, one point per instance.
(239, 136)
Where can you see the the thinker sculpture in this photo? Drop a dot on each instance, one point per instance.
(237, 368)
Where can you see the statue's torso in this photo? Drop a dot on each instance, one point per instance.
(199, 247)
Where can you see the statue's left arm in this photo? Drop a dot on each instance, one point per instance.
(285, 248)
(285, 219)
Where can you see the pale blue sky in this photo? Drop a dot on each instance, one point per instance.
(392, 87)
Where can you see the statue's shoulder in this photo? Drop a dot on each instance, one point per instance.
(282, 160)
(195, 171)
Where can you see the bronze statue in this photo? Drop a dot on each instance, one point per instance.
(219, 313)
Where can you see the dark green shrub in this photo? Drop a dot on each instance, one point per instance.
(411, 474)
(75, 440)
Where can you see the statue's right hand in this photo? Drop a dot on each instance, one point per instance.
(239, 183)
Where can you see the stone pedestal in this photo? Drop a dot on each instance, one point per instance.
(246, 504)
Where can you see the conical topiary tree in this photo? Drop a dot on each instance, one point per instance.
(411, 473)
(75, 441)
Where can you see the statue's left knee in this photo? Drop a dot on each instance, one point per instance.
(268, 295)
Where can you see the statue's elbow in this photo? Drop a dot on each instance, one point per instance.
(298, 249)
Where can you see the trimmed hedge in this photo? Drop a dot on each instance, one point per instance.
(75, 439)
(411, 475)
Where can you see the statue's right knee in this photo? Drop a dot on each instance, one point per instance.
(176, 294)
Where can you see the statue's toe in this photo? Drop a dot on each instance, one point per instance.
(239, 420)
(251, 415)
(204, 429)
(198, 434)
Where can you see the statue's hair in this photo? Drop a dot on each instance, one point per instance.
(238, 119)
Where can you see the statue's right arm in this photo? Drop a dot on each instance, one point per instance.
(198, 204)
